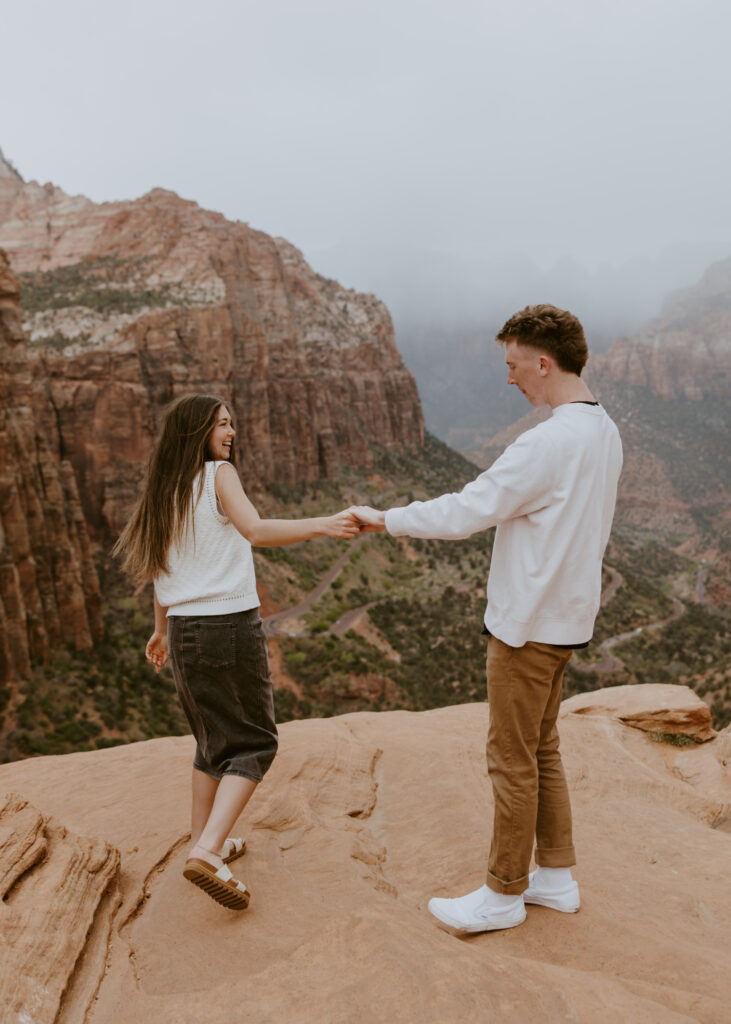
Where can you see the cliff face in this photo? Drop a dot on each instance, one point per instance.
(49, 592)
(686, 351)
(128, 305)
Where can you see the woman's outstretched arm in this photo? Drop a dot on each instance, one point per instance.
(276, 532)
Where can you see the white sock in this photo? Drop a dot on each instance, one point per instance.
(552, 878)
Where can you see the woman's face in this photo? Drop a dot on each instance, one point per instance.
(221, 438)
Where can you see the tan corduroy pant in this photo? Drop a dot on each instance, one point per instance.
(524, 763)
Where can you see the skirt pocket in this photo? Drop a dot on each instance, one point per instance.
(215, 644)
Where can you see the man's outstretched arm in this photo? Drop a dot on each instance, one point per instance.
(519, 482)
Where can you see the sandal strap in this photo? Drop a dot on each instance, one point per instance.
(225, 875)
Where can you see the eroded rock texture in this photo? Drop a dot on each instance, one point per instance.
(49, 591)
(361, 819)
(132, 304)
(47, 913)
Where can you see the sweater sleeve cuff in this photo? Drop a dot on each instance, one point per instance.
(395, 522)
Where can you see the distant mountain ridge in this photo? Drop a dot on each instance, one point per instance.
(686, 350)
(668, 390)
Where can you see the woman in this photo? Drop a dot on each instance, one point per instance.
(191, 535)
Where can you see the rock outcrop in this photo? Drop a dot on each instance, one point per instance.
(56, 906)
(355, 827)
(128, 305)
(664, 710)
(49, 590)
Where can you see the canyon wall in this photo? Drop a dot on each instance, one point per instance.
(49, 591)
(128, 305)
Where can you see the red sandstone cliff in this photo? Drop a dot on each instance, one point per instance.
(668, 389)
(130, 304)
(49, 592)
(685, 352)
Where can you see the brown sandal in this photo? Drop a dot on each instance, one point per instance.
(219, 883)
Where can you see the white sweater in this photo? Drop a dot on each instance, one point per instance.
(551, 495)
(211, 572)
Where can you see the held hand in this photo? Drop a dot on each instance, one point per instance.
(372, 520)
(157, 650)
(343, 525)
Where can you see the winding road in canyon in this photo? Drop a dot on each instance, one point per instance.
(284, 623)
(609, 662)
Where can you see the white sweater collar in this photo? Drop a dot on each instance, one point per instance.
(569, 408)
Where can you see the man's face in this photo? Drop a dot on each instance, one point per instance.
(527, 369)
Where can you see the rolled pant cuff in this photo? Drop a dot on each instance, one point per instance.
(563, 857)
(514, 888)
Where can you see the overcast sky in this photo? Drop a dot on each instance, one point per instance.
(397, 143)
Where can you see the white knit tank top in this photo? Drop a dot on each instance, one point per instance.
(211, 571)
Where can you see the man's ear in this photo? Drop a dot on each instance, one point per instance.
(544, 364)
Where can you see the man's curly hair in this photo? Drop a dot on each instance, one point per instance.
(552, 330)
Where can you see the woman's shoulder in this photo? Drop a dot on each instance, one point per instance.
(222, 479)
(209, 472)
(220, 472)
(224, 474)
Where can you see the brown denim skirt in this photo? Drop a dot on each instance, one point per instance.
(221, 671)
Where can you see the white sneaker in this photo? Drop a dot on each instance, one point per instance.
(476, 913)
(565, 899)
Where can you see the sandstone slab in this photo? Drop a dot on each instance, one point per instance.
(53, 885)
(652, 707)
(364, 817)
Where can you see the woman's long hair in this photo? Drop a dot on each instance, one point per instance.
(162, 513)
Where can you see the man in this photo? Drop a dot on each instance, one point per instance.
(551, 495)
